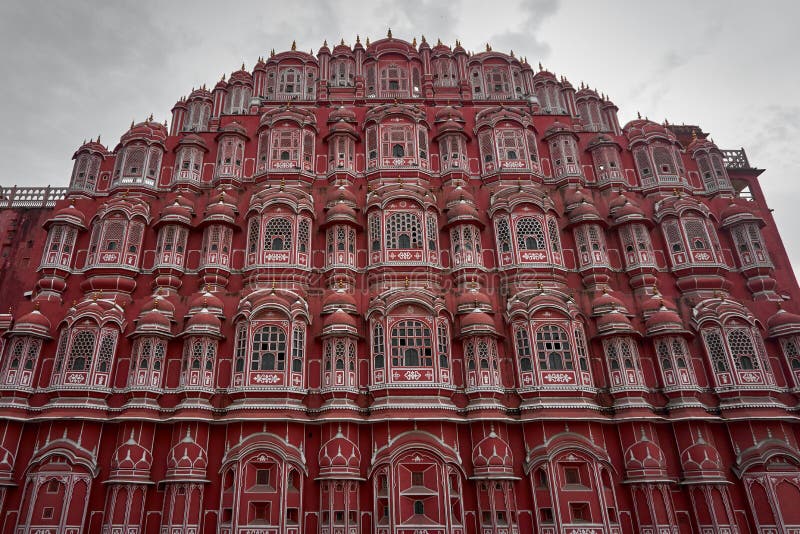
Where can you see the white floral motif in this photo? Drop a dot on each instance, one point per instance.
(560, 378)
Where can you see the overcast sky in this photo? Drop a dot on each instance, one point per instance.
(73, 70)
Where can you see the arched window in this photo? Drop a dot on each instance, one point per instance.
(20, 361)
(197, 367)
(524, 353)
(737, 356)
(403, 231)
(503, 235)
(378, 346)
(553, 348)
(530, 235)
(394, 81)
(269, 349)
(278, 234)
(60, 244)
(82, 360)
(411, 344)
(81, 351)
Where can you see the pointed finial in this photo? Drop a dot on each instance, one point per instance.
(488, 48)
(694, 134)
(150, 118)
(423, 39)
(272, 53)
(406, 283)
(638, 115)
(458, 43)
(342, 42)
(389, 33)
(414, 42)
(294, 46)
(540, 67)
(438, 42)
(358, 39)
(242, 65)
(512, 53)
(367, 42)
(325, 42)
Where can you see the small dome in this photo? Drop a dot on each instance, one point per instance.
(341, 212)
(557, 128)
(457, 195)
(179, 210)
(575, 196)
(233, 128)
(33, 323)
(153, 322)
(606, 302)
(339, 457)
(203, 323)
(783, 323)
(93, 147)
(701, 460)
(205, 299)
(463, 212)
(342, 194)
(187, 460)
(644, 458)
(477, 322)
(161, 303)
(449, 113)
(342, 114)
(663, 321)
(69, 215)
(585, 211)
(471, 300)
(601, 140)
(148, 131)
(544, 75)
(492, 456)
(587, 93)
(193, 140)
(738, 212)
(242, 77)
(201, 93)
(220, 211)
(340, 320)
(131, 461)
(339, 300)
(613, 322)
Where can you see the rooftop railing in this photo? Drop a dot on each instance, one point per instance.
(31, 197)
(735, 159)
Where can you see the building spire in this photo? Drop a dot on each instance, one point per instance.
(294, 46)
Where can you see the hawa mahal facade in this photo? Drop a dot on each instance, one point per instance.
(397, 288)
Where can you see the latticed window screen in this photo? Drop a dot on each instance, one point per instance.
(696, 234)
(555, 238)
(530, 235)
(397, 141)
(240, 348)
(298, 348)
(286, 145)
(403, 231)
(303, 235)
(716, 350)
(411, 344)
(81, 351)
(553, 348)
(378, 344)
(486, 145)
(673, 235)
(433, 231)
(644, 166)
(278, 234)
(523, 345)
(105, 353)
(443, 344)
(791, 350)
(511, 145)
(663, 160)
(742, 349)
(268, 349)
(375, 232)
(503, 236)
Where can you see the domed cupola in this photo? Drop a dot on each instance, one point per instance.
(664, 321)
(339, 299)
(341, 211)
(6, 467)
(179, 211)
(472, 299)
(613, 323)
(186, 461)
(339, 323)
(492, 457)
(205, 299)
(624, 210)
(68, 215)
(783, 323)
(33, 323)
(476, 323)
(701, 461)
(449, 120)
(221, 209)
(131, 462)
(139, 155)
(86, 170)
(645, 459)
(203, 322)
(149, 131)
(339, 458)
(584, 211)
(153, 322)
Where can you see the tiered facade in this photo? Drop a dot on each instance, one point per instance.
(399, 289)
